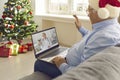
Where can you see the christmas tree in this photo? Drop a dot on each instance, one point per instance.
(16, 23)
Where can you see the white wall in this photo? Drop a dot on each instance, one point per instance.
(2, 2)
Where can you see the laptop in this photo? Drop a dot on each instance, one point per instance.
(46, 45)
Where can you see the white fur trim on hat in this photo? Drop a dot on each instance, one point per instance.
(114, 11)
(103, 13)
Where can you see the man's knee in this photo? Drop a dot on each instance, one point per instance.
(37, 65)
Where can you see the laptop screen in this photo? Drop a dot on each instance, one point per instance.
(44, 41)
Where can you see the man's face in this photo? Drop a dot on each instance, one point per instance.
(92, 14)
(90, 11)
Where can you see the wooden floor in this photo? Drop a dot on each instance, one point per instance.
(15, 67)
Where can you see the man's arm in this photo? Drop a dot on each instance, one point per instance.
(77, 22)
(79, 26)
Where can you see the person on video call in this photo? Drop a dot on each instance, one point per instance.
(103, 15)
(45, 41)
(39, 45)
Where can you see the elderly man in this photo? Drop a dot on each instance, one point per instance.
(103, 15)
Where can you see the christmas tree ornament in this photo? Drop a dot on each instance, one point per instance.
(18, 18)
(6, 9)
(3, 16)
(26, 23)
(16, 11)
(12, 26)
(18, 7)
(30, 12)
(7, 31)
(8, 18)
(11, 8)
(6, 25)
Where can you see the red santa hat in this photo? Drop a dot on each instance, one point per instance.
(106, 8)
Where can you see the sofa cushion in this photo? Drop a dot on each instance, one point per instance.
(102, 66)
(36, 76)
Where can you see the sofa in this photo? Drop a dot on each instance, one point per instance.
(105, 65)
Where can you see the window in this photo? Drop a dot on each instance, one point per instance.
(79, 7)
(62, 6)
(58, 6)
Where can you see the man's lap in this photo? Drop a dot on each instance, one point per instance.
(47, 68)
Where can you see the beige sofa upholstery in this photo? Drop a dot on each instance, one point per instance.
(102, 66)
(36, 76)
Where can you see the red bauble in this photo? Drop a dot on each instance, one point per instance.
(26, 22)
(18, 7)
(31, 12)
(12, 26)
(3, 16)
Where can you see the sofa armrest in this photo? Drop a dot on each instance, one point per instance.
(102, 66)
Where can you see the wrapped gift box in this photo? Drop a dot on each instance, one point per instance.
(5, 52)
(30, 46)
(23, 48)
(14, 48)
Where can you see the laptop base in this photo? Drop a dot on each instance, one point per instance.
(62, 51)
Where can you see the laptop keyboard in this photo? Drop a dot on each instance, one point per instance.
(55, 52)
(62, 53)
